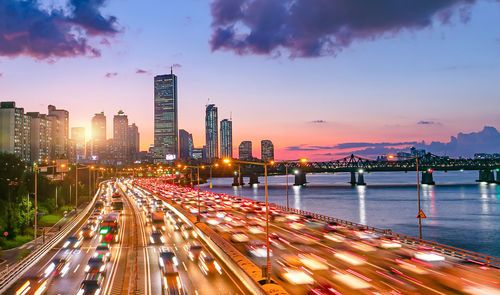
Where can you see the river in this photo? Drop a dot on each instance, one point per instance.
(460, 212)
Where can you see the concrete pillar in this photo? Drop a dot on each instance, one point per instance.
(353, 178)
(253, 179)
(300, 177)
(235, 180)
(486, 176)
(427, 178)
(241, 180)
(498, 177)
(361, 179)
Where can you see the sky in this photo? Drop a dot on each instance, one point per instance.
(304, 72)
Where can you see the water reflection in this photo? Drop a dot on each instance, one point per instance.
(429, 204)
(362, 209)
(296, 197)
(483, 190)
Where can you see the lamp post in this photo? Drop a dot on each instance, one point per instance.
(197, 167)
(286, 163)
(268, 260)
(36, 168)
(419, 217)
(90, 167)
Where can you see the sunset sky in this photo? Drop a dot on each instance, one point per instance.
(412, 71)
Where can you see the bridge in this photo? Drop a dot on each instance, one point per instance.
(358, 166)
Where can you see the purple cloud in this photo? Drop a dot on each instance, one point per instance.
(176, 66)
(26, 29)
(111, 75)
(141, 71)
(312, 28)
(428, 123)
(1, 75)
(318, 121)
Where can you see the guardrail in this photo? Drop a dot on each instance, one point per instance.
(442, 248)
(12, 274)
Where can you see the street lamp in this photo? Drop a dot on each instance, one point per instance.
(36, 168)
(286, 162)
(420, 212)
(268, 260)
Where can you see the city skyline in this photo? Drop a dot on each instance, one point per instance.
(377, 90)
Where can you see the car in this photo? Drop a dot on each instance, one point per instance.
(89, 287)
(103, 251)
(58, 266)
(95, 265)
(239, 237)
(187, 231)
(167, 260)
(72, 242)
(156, 237)
(208, 265)
(87, 232)
(172, 284)
(258, 249)
(193, 249)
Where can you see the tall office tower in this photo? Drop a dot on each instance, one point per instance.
(15, 130)
(166, 130)
(40, 137)
(98, 137)
(60, 132)
(198, 153)
(120, 138)
(133, 142)
(185, 144)
(226, 138)
(78, 140)
(211, 132)
(245, 150)
(266, 150)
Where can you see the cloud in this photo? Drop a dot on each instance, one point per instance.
(141, 71)
(1, 75)
(301, 147)
(176, 66)
(428, 123)
(353, 145)
(111, 75)
(312, 28)
(318, 121)
(26, 29)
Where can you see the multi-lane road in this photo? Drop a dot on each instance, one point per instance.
(142, 238)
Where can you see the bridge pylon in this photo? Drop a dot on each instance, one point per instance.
(300, 177)
(487, 176)
(427, 178)
(361, 178)
(235, 180)
(254, 179)
(353, 178)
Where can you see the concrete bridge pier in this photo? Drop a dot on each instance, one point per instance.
(487, 176)
(361, 178)
(254, 179)
(300, 177)
(235, 180)
(241, 179)
(427, 178)
(353, 178)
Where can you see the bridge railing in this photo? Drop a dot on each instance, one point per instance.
(437, 247)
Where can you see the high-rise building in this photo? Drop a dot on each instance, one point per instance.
(15, 131)
(78, 140)
(98, 137)
(133, 142)
(60, 132)
(166, 131)
(198, 153)
(266, 150)
(120, 138)
(40, 137)
(245, 151)
(226, 138)
(211, 132)
(185, 144)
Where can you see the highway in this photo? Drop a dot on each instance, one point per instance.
(312, 257)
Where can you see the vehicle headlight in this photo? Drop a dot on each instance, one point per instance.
(95, 254)
(151, 239)
(87, 268)
(102, 268)
(162, 239)
(66, 244)
(176, 262)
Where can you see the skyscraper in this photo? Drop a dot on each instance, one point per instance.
(60, 132)
(133, 141)
(98, 137)
(185, 144)
(266, 150)
(15, 130)
(41, 136)
(211, 132)
(120, 137)
(78, 139)
(245, 150)
(226, 138)
(165, 125)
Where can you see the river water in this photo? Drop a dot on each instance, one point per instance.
(460, 212)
